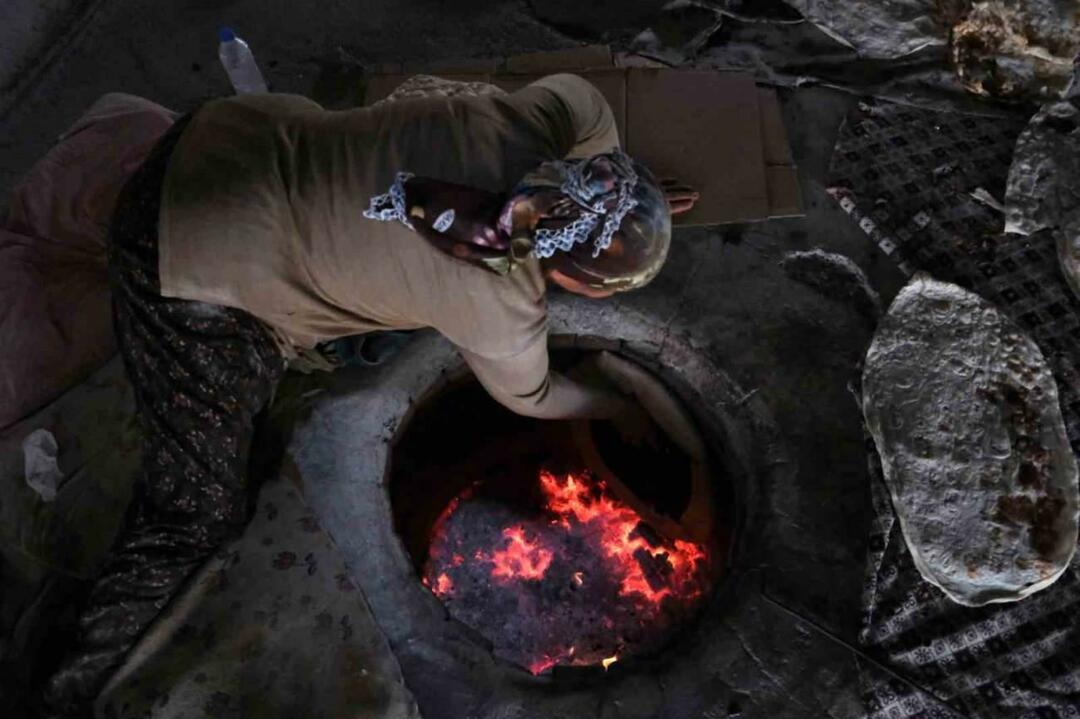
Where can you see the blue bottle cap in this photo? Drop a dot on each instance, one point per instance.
(226, 34)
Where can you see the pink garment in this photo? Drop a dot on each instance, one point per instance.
(55, 317)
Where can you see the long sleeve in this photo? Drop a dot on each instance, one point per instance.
(525, 384)
(578, 122)
(573, 113)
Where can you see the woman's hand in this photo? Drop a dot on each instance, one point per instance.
(680, 197)
(644, 390)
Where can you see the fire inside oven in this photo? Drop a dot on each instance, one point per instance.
(511, 528)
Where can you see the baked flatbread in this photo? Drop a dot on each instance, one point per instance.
(964, 412)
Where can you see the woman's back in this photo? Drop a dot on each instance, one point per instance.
(263, 207)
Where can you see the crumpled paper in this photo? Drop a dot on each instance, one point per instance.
(40, 460)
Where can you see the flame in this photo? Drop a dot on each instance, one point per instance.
(544, 663)
(443, 585)
(575, 500)
(522, 558)
(444, 516)
(582, 530)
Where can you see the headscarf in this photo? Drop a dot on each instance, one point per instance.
(615, 235)
(632, 243)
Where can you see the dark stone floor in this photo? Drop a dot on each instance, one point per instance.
(724, 290)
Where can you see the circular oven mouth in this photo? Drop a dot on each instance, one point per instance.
(557, 543)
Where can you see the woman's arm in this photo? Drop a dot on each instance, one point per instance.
(524, 384)
(572, 112)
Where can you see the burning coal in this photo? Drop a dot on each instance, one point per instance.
(581, 580)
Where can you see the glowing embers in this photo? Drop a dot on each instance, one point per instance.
(579, 580)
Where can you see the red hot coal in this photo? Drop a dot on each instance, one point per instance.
(578, 579)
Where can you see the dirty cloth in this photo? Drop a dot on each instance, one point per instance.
(47, 548)
(263, 211)
(773, 44)
(201, 375)
(906, 177)
(98, 455)
(271, 627)
(1015, 49)
(884, 29)
(55, 324)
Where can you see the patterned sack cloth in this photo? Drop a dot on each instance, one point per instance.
(920, 184)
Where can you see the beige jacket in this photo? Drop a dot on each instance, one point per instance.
(263, 210)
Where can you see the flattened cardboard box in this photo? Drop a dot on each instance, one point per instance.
(717, 132)
(781, 176)
(702, 128)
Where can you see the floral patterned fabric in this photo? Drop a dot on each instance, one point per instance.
(431, 86)
(194, 614)
(201, 374)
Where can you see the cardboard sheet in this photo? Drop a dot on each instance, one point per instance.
(785, 198)
(703, 128)
(717, 132)
(781, 176)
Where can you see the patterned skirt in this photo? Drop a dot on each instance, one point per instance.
(201, 374)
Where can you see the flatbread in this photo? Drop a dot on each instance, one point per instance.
(964, 412)
(1043, 191)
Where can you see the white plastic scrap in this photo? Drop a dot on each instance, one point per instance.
(40, 452)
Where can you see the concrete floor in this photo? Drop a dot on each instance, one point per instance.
(724, 288)
(27, 28)
(169, 53)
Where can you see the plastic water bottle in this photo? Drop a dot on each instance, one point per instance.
(239, 63)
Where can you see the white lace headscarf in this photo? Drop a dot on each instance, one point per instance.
(611, 197)
(601, 186)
